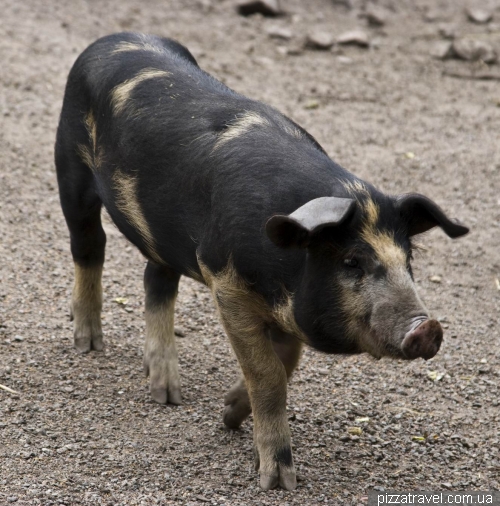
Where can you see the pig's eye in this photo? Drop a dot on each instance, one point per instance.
(352, 263)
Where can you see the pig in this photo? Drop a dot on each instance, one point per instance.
(227, 191)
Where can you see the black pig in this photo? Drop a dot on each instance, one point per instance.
(226, 190)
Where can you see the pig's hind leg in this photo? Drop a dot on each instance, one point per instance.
(82, 210)
(160, 350)
(237, 402)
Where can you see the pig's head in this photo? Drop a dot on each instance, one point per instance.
(357, 292)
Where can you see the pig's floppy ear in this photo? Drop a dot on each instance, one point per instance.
(422, 214)
(296, 230)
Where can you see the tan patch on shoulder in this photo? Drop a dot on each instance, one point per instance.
(121, 93)
(241, 125)
(128, 203)
(242, 311)
(227, 286)
(285, 319)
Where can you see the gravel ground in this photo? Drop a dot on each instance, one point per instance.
(83, 429)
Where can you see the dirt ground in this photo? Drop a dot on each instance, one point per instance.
(83, 429)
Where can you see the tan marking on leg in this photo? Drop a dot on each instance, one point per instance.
(86, 156)
(91, 155)
(128, 203)
(86, 305)
(244, 315)
(288, 348)
(120, 94)
(160, 353)
(240, 126)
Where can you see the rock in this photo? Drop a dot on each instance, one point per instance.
(442, 50)
(354, 37)
(264, 7)
(179, 332)
(479, 16)
(294, 50)
(447, 31)
(319, 40)
(435, 279)
(474, 50)
(433, 15)
(278, 32)
(375, 16)
(344, 60)
(18, 338)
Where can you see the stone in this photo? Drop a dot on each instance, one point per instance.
(447, 31)
(474, 50)
(278, 32)
(319, 40)
(375, 16)
(264, 7)
(442, 50)
(479, 16)
(355, 38)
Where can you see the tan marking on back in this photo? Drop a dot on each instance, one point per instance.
(127, 202)
(120, 94)
(240, 126)
(140, 45)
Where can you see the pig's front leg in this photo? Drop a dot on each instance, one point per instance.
(266, 381)
(160, 350)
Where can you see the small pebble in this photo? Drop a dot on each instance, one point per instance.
(355, 38)
(264, 7)
(479, 16)
(319, 40)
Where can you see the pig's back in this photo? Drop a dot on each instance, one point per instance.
(207, 165)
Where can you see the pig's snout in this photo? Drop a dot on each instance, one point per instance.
(423, 341)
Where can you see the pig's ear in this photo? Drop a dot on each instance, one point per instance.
(296, 230)
(422, 214)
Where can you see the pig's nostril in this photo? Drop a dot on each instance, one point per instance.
(423, 341)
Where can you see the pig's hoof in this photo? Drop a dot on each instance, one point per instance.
(164, 384)
(85, 341)
(237, 407)
(166, 395)
(236, 412)
(276, 471)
